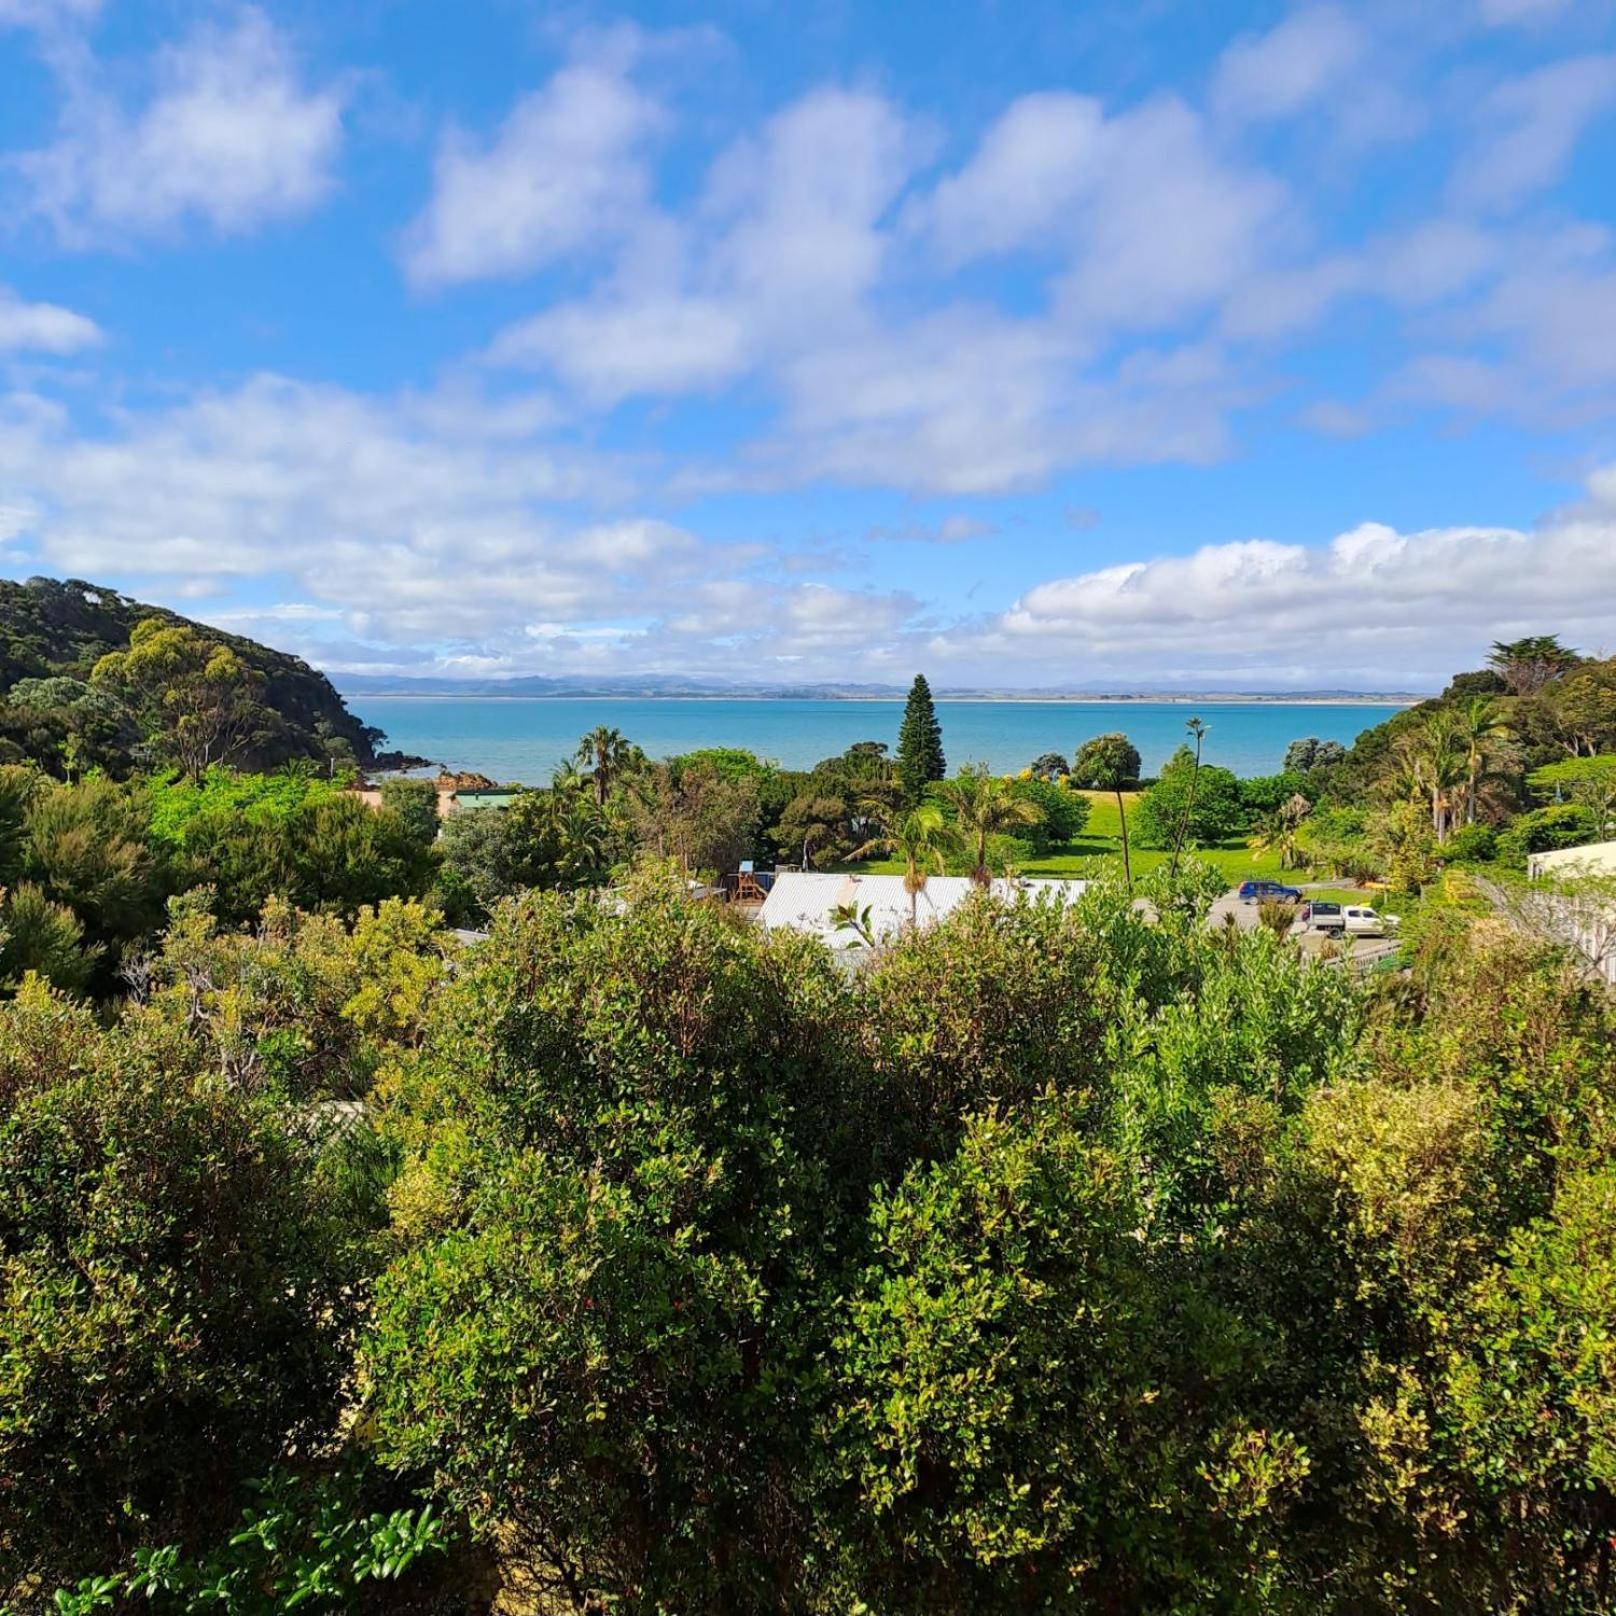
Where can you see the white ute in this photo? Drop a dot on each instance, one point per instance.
(1355, 920)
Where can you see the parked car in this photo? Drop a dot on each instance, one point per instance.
(1320, 914)
(1268, 892)
(1350, 919)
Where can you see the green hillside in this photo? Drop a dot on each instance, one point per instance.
(61, 628)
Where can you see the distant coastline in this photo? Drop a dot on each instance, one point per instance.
(1334, 699)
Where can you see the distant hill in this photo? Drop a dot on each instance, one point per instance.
(631, 684)
(52, 626)
(667, 684)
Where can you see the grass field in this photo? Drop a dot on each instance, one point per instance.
(1103, 840)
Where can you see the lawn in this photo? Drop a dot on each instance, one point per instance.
(1102, 840)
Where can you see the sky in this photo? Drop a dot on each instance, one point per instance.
(1147, 345)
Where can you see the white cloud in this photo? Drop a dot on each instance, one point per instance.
(1529, 128)
(1536, 342)
(1172, 228)
(43, 327)
(778, 274)
(1281, 72)
(231, 137)
(1033, 165)
(365, 500)
(803, 203)
(564, 171)
(619, 347)
(1374, 607)
(957, 528)
(781, 250)
(405, 540)
(1501, 13)
(46, 14)
(1152, 221)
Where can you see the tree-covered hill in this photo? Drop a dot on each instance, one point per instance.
(61, 628)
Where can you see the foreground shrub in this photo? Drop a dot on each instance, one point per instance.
(173, 1292)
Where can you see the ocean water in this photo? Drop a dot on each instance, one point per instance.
(524, 738)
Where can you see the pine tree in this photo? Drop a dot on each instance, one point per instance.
(920, 742)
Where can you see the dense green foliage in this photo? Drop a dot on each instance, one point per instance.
(1058, 1260)
(1069, 1259)
(171, 1268)
(1106, 763)
(1191, 803)
(54, 634)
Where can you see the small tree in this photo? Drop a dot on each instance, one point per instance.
(605, 756)
(416, 804)
(920, 742)
(1106, 763)
(923, 839)
(693, 813)
(1048, 766)
(1312, 753)
(1527, 665)
(1198, 731)
(1201, 804)
(984, 806)
(1589, 781)
(1110, 763)
(200, 703)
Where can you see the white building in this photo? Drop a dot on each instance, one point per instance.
(1583, 921)
(1567, 863)
(807, 902)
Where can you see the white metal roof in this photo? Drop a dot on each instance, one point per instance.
(1597, 858)
(802, 901)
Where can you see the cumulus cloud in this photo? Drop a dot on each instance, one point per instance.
(564, 171)
(1529, 128)
(780, 251)
(620, 347)
(1033, 165)
(778, 272)
(1535, 342)
(1277, 74)
(1153, 222)
(1373, 607)
(405, 535)
(43, 327)
(231, 137)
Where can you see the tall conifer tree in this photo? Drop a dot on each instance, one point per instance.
(920, 742)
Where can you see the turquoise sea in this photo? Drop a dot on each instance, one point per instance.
(524, 738)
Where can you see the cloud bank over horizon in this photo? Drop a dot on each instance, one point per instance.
(766, 356)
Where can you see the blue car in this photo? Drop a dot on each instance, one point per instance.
(1268, 892)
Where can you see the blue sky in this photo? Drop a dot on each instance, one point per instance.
(1149, 345)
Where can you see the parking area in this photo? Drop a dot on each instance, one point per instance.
(1362, 952)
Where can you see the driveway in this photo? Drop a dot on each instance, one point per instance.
(1245, 914)
(1365, 951)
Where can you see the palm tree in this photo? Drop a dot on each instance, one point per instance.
(1432, 762)
(604, 754)
(1198, 730)
(984, 806)
(1278, 832)
(922, 838)
(1480, 725)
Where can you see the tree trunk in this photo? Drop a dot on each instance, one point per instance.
(1127, 863)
